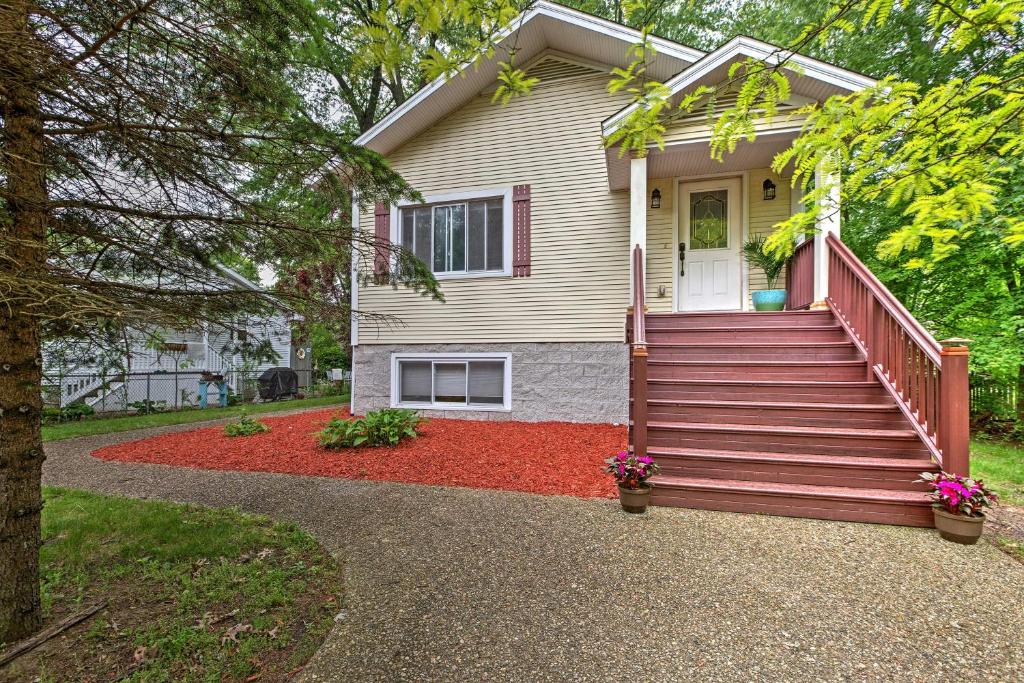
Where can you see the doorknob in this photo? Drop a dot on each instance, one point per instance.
(682, 258)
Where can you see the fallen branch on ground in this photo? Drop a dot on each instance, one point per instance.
(38, 639)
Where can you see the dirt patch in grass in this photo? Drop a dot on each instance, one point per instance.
(537, 457)
(193, 594)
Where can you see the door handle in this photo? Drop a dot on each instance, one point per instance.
(682, 258)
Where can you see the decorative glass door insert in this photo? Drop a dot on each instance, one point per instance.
(709, 220)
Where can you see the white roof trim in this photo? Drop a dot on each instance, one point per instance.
(542, 8)
(751, 47)
(238, 278)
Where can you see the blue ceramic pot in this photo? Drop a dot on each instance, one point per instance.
(769, 299)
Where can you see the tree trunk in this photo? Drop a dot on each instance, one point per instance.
(21, 449)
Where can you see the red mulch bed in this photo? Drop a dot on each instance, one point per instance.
(536, 457)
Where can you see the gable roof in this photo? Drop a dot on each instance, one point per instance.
(546, 25)
(818, 79)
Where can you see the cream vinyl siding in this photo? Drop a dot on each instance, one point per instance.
(661, 246)
(765, 214)
(551, 140)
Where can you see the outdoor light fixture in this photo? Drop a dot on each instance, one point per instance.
(656, 199)
(769, 189)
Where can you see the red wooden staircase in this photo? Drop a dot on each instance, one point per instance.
(782, 413)
(775, 415)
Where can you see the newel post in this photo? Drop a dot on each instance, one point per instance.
(954, 427)
(639, 400)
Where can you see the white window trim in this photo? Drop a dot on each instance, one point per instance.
(396, 357)
(505, 193)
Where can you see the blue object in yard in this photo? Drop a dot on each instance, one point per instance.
(222, 393)
(769, 299)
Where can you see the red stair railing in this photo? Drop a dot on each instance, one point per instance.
(800, 277)
(638, 357)
(928, 380)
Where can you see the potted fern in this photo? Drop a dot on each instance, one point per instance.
(770, 299)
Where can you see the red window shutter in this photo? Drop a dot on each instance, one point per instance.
(521, 231)
(382, 238)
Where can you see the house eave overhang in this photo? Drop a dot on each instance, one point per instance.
(447, 93)
(741, 47)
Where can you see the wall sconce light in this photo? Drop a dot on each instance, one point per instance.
(656, 199)
(769, 189)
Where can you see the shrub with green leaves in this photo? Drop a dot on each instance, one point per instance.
(72, 412)
(245, 426)
(148, 407)
(385, 427)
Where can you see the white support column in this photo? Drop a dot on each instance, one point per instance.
(637, 213)
(828, 223)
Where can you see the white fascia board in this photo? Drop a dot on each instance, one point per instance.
(756, 49)
(557, 12)
(238, 278)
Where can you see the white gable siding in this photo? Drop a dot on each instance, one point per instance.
(551, 140)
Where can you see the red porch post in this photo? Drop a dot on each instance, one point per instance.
(954, 408)
(640, 401)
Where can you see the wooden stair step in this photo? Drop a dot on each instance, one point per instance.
(762, 320)
(786, 438)
(794, 365)
(825, 432)
(757, 369)
(782, 405)
(797, 468)
(776, 413)
(785, 350)
(759, 329)
(883, 506)
(765, 390)
(748, 334)
(823, 414)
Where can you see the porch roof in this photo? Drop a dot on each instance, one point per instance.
(690, 155)
(812, 78)
(687, 151)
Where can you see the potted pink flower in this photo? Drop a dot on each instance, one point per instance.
(631, 474)
(958, 504)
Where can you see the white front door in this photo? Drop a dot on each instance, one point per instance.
(708, 257)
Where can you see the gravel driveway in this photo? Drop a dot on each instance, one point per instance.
(463, 585)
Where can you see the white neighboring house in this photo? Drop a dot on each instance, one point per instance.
(169, 372)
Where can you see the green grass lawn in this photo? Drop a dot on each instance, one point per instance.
(194, 594)
(1001, 466)
(88, 427)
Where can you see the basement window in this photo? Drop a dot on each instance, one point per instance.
(451, 381)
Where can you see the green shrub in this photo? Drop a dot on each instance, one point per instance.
(245, 426)
(72, 412)
(379, 428)
(148, 407)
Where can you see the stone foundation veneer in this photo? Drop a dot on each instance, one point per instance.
(569, 382)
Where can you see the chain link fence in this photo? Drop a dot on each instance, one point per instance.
(73, 395)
